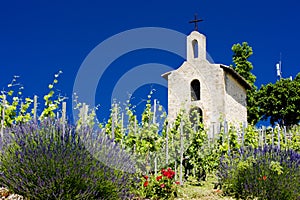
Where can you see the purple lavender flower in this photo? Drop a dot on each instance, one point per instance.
(265, 173)
(39, 161)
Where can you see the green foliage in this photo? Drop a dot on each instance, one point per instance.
(132, 138)
(241, 54)
(228, 142)
(295, 138)
(251, 137)
(140, 138)
(51, 104)
(86, 115)
(151, 141)
(233, 140)
(253, 115)
(114, 125)
(13, 106)
(17, 109)
(281, 101)
(276, 168)
(200, 153)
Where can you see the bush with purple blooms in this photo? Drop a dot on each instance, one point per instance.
(49, 160)
(263, 173)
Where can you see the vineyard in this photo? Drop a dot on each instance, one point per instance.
(45, 157)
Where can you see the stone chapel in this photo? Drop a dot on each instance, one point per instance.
(215, 91)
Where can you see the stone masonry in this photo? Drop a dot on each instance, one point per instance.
(216, 89)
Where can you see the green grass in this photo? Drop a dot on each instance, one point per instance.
(190, 190)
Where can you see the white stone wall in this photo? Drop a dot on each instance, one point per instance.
(235, 101)
(212, 92)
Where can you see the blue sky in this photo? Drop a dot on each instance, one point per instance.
(39, 38)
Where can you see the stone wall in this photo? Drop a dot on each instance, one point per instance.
(235, 101)
(212, 92)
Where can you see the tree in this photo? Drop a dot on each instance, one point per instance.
(280, 101)
(243, 67)
(241, 63)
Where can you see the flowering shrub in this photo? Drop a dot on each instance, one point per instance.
(264, 173)
(162, 186)
(50, 161)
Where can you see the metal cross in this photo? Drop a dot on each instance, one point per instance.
(195, 21)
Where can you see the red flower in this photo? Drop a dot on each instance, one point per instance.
(264, 178)
(164, 172)
(162, 185)
(169, 173)
(177, 182)
(146, 177)
(158, 178)
(146, 183)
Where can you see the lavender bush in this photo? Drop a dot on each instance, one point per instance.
(49, 160)
(263, 173)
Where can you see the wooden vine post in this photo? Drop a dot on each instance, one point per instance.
(113, 120)
(175, 167)
(285, 136)
(272, 136)
(278, 137)
(3, 117)
(226, 133)
(64, 113)
(154, 122)
(181, 154)
(122, 129)
(84, 114)
(260, 137)
(167, 145)
(243, 133)
(135, 133)
(35, 108)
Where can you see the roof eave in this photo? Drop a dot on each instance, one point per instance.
(241, 79)
(165, 75)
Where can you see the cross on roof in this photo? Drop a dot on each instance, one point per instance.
(195, 21)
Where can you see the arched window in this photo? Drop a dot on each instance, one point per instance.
(195, 116)
(195, 48)
(195, 90)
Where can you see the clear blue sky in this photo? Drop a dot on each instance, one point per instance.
(39, 38)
